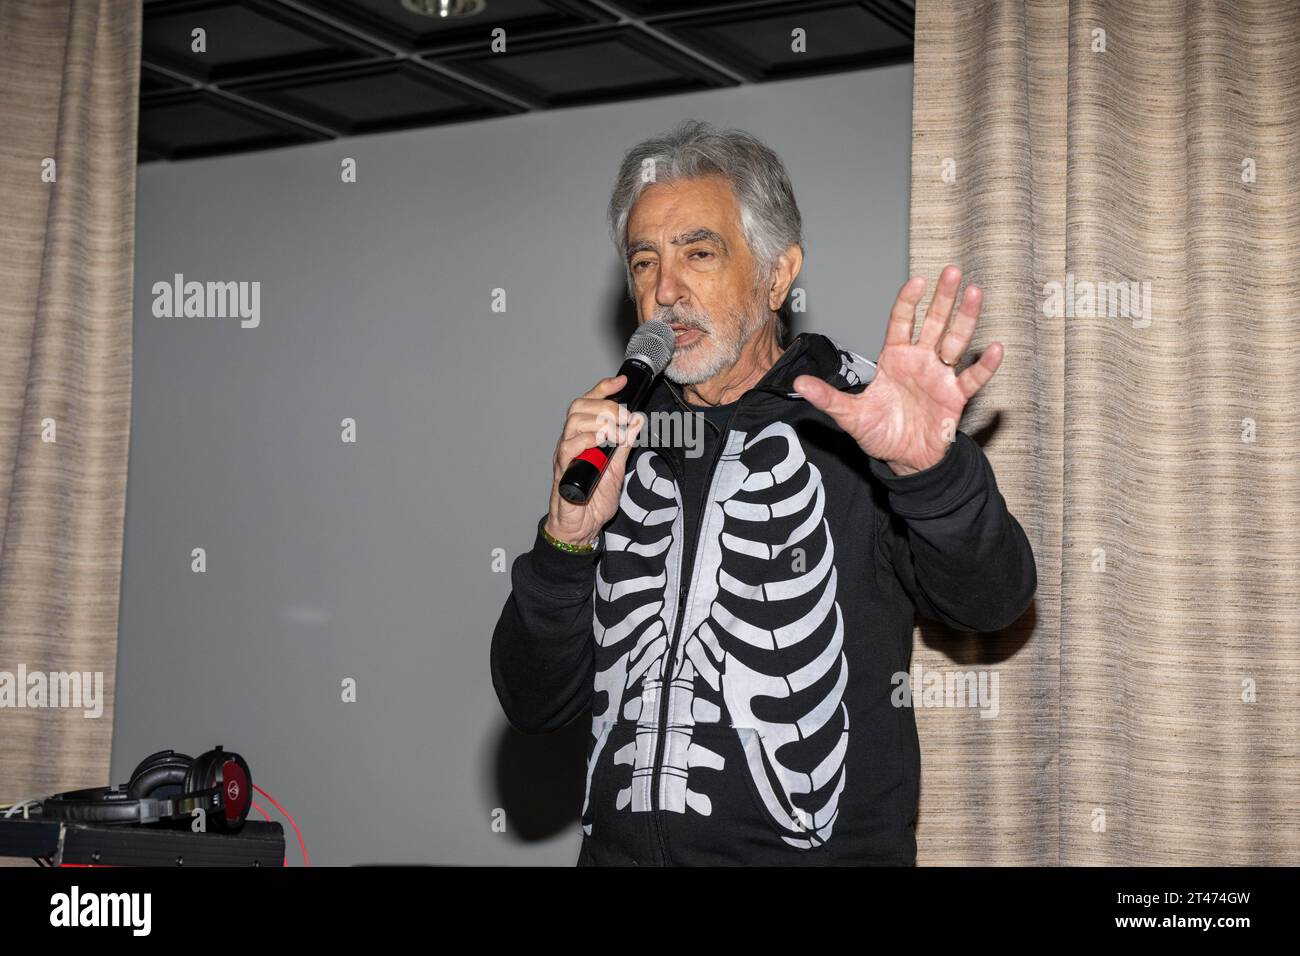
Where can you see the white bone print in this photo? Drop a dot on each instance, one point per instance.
(749, 662)
(656, 546)
(754, 517)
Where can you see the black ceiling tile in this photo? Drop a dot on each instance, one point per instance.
(391, 21)
(898, 13)
(591, 66)
(646, 9)
(244, 38)
(195, 123)
(374, 97)
(756, 43)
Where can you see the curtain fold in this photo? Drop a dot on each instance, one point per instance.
(69, 83)
(1118, 178)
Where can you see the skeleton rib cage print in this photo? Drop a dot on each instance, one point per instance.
(673, 655)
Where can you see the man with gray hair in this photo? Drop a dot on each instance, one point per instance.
(736, 622)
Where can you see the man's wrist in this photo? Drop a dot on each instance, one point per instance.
(549, 569)
(935, 488)
(904, 469)
(565, 542)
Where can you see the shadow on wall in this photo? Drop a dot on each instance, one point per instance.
(540, 778)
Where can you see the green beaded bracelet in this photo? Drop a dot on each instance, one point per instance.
(565, 546)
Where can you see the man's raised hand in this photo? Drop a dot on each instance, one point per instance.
(908, 415)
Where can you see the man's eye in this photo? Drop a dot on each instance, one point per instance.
(638, 265)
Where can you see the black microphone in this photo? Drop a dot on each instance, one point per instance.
(648, 353)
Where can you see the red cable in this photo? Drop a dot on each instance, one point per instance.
(306, 860)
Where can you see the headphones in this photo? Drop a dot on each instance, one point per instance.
(165, 787)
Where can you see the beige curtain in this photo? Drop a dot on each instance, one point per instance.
(69, 76)
(1150, 699)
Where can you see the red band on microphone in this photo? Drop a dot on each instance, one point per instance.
(595, 457)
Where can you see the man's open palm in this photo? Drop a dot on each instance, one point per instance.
(908, 415)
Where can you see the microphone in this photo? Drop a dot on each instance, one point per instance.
(648, 353)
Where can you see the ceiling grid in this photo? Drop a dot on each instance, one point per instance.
(277, 73)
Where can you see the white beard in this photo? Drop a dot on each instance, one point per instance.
(710, 354)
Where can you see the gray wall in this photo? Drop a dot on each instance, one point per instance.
(373, 560)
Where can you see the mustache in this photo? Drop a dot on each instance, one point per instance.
(685, 322)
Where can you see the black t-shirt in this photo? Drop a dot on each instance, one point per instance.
(695, 478)
(719, 415)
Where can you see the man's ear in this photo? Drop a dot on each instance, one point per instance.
(784, 271)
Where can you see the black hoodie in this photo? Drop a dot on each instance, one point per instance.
(741, 632)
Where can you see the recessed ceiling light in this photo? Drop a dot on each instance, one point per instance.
(445, 9)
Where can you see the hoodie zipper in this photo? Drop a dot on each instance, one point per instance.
(683, 592)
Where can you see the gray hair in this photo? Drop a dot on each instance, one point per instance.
(769, 215)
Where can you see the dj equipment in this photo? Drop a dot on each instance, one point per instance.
(54, 843)
(165, 788)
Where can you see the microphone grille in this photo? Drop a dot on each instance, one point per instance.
(653, 341)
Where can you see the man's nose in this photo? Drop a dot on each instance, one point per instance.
(669, 290)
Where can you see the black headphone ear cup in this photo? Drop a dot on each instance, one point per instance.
(148, 761)
(200, 775)
(162, 769)
(236, 800)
